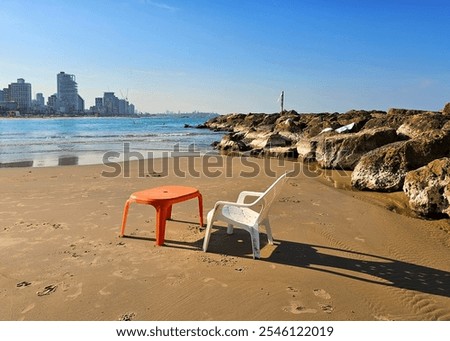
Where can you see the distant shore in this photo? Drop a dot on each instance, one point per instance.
(80, 115)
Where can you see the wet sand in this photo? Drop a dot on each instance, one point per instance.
(338, 255)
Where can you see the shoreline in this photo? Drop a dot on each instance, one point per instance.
(98, 158)
(396, 202)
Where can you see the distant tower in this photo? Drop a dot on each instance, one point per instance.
(67, 93)
(282, 101)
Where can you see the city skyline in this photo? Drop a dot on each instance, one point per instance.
(18, 96)
(235, 56)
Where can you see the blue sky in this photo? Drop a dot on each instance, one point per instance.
(234, 55)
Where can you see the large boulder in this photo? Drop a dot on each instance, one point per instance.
(428, 188)
(446, 109)
(257, 139)
(277, 140)
(405, 112)
(343, 151)
(416, 125)
(307, 147)
(233, 142)
(289, 122)
(317, 123)
(385, 168)
(358, 117)
(394, 118)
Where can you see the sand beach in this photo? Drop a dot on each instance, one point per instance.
(339, 255)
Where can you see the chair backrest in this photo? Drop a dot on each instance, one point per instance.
(269, 196)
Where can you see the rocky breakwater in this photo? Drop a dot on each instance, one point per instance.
(386, 151)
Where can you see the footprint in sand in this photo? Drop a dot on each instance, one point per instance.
(127, 317)
(322, 294)
(327, 308)
(47, 290)
(298, 308)
(293, 291)
(23, 284)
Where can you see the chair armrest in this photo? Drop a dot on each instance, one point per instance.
(230, 203)
(245, 194)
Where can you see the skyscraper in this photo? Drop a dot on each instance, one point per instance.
(20, 93)
(110, 103)
(40, 100)
(67, 94)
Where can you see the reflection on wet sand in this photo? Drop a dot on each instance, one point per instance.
(62, 161)
(68, 161)
(16, 164)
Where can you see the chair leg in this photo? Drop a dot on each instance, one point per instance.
(230, 229)
(266, 224)
(124, 218)
(255, 242)
(207, 234)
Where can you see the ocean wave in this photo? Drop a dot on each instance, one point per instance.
(94, 138)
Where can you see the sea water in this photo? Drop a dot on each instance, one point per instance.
(42, 142)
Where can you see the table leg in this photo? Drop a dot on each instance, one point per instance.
(169, 212)
(200, 208)
(124, 217)
(161, 216)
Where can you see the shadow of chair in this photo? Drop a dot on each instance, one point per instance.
(347, 263)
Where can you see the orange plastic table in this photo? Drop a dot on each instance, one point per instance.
(162, 198)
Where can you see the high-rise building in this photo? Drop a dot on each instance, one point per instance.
(40, 100)
(38, 104)
(123, 107)
(67, 94)
(131, 109)
(2, 96)
(98, 102)
(99, 105)
(80, 103)
(110, 103)
(20, 93)
(52, 101)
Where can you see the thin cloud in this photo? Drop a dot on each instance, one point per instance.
(161, 5)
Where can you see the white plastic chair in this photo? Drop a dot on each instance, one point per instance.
(246, 216)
